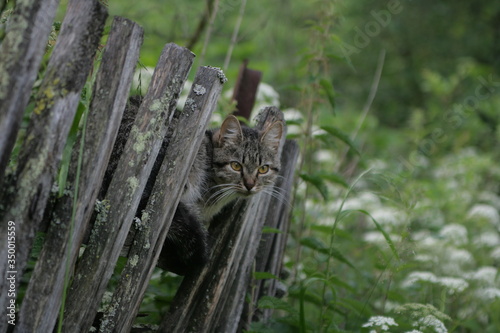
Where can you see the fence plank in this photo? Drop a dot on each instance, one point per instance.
(156, 218)
(211, 299)
(21, 51)
(41, 303)
(108, 236)
(25, 196)
(271, 250)
(269, 212)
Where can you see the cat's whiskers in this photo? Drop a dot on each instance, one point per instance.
(214, 187)
(277, 193)
(223, 191)
(224, 195)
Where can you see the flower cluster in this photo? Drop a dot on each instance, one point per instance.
(380, 321)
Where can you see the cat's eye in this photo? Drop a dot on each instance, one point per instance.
(235, 166)
(264, 169)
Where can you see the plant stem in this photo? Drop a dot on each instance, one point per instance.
(368, 103)
(72, 222)
(208, 34)
(234, 37)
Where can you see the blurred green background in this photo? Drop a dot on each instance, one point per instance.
(396, 107)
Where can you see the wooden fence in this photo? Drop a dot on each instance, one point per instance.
(209, 300)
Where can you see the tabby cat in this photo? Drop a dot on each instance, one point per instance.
(233, 162)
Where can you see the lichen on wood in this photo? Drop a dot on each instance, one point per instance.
(126, 186)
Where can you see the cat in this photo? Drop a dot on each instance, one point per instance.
(233, 162)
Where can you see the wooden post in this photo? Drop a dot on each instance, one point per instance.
(245, 90)
(21, 51)
(182, 148)
(42, 301)
(26, 195)
(124, 193)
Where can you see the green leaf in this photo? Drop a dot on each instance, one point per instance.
(333, 177)
(269, 302)
(330, 92)
(243, 120)
(386, 235)
(68, 148)
(264, 276)
(269, 230)
(334, 131)
(360, 308)
(336, 281)
(317, 182)
(317, 245)
(296, 121)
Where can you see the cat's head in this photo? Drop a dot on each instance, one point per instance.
(246, 159)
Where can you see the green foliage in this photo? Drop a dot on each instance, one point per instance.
(396, 211)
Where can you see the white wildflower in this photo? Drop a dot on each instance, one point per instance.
(142, 78)
(380, 321)
(266, 95)
(413, 331)
(434, 218)
(426, 258)
(318, 131)
(420, 235)
(365, 200)
(186, 88)
(485, 275)
(456, 258)
(429, 243)
(292, 114)
(491, 198)
(378, 238)
(453, 285)
(454, 233)
(460, 256)
(486, 239)
(324, 156)
(431, 321)
(311, 206)
(429, 216)
(415, 277)
(495, 254)
(389, 216)
(487, 212)
(487, 294)
(373, 237)
(377, 164)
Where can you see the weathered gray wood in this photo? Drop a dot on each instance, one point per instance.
(211, 299)
(271, 250)
(269, 211)
(227, 314)
(156, 218)
(110, 230)
(26, 195)
(21, 51)
(41, 303)
(199, 294)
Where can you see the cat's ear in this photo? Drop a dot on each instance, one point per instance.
(229, 132)
(272, 135)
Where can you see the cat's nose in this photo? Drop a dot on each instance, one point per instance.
(249, 184)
